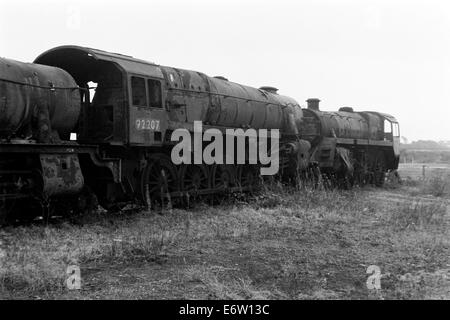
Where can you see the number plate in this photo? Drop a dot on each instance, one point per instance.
(147, 124)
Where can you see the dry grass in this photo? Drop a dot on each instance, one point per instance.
(38, 256)
(419, 214)
(238, 288)
(438, 185)
(281, 244)
(435, 181)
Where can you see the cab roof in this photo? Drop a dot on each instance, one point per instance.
(68, 55)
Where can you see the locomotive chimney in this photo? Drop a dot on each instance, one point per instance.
(313, 104)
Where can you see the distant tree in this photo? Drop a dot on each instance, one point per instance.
(425, 144)
(444, 143)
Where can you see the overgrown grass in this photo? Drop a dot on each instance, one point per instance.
(37, 257)
(419, 214)
(284, 243)
(437, 184)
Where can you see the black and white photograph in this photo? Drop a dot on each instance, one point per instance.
(225, 154)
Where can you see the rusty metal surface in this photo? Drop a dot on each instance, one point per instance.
(344, 125)
(61, 174)
(375, 125)
(112, 164)
(31, 92)
(64, 55)
(220, 102)
(384, 115)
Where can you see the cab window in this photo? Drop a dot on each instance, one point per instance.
(154, 93)
(387, 130)
(138, 91)
(396, 129)
(387, 127)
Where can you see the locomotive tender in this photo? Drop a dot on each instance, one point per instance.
(81, 124)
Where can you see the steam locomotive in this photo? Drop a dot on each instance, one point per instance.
(80, 126)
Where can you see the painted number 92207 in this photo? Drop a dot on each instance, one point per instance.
(147, 124)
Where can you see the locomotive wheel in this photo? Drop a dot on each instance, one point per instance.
(248, 177)
(159, 178)
(223, 176)
(193, 178)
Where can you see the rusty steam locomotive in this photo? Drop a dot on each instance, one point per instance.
(64, 143)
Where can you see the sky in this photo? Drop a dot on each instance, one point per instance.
(389, 56)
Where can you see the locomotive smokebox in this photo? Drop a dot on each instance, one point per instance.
(36, 101)
(313, 104)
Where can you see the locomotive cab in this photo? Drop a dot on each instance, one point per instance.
(148, 116)
(122, 97)
(392, 132)
(101, 84)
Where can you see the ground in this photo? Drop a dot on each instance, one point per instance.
(281, 244)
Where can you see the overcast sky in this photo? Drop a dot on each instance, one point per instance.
(389, 56)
